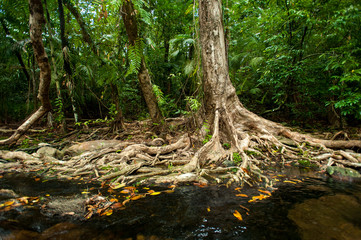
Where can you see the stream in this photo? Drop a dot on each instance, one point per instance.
(306, 205)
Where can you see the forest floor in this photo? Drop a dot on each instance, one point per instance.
(139, 155)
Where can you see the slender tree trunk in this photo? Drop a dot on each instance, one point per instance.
(130, 22)
(118, 123)
(67, 67)
(53, 61)
(36, 21)
(83, 27)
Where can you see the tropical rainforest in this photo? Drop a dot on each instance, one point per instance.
(180, 90)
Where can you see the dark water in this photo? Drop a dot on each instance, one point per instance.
(313, 208)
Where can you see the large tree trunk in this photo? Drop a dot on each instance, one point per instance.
(36, 21)
(229, 120)
(130, 22)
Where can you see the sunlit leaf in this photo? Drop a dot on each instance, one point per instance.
(237, 215)
(136, 197)
(9, 203)
(266, 192)
(296, 180)
(113, 200)
(125, 191)
(130, 188)
(259, 197)
(85, 192)
(237, 189)
(117, 185)
(24, 200)
(208, 209)
(171, 186)
(241, 195)
(150, 191)
(47, 195)
(146, 188)
(286, 181)
(155, 193)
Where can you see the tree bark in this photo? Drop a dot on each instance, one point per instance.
(67, 66)
(130, 22)
(36, 21)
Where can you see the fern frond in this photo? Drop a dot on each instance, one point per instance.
(135, 54)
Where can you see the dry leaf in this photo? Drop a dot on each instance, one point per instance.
(125, 191)
(117, 205)
(136, 197)
(241, 195)
(88, 215)
(286, 181)
(266, 192)
(244, 208)
(150, 191)
(237, 215)
(208, 209)
(113, 200)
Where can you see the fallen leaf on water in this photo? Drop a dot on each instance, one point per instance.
(9, 203)
(266, 192)
(107, 212)
(150, 191)
(208, 209)
(117, 205)
(169, 191)
(286, 181)
(244, 208)
(259, 197)
(136, 197)
(155, 193)
(202, 185)
(237, 215)
(241, 195)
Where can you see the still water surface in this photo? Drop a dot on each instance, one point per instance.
(316, 207)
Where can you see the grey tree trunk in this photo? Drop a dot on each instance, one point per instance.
(36, 21)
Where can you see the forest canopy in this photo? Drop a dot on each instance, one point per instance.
(293, 61)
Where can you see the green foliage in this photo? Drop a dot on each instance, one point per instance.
(59, 114)
(237, 159)
(135, 54)
(208, 136)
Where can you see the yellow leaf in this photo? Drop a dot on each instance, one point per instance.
(169, 191)
(237, 188)
(146, 188)
(9, 203)
(113, 200)
(85, 192)
(237, 215)
(241, 195)
(296, 180)
(150, 191)
(155, 193)
(266, 192)
(136, 197)
(130, 188)
(208, 209)
(286, 181)
(47, 195)
(108, 212)
(117, 185)
(125, 191)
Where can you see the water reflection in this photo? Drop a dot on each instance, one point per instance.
(314, 208)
